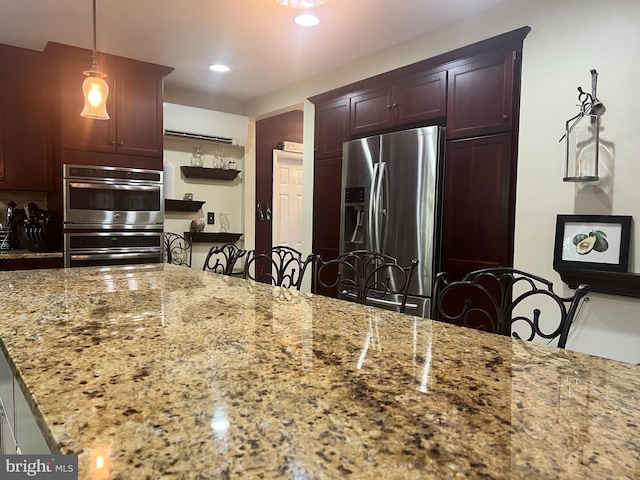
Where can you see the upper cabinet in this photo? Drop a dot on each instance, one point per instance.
(410, 100)
(134, 105)
(331, 127)
(481, 96)
(25, 115)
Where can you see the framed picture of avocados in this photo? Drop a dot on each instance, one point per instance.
(592, 242)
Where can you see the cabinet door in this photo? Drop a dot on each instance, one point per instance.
(419, 98)
(480, 96)
(326, 208)
(25, 117)
(372, 110)
(7, 417)
(139, 113)
(29, 437)
(478, 205)
(79, 133)
(331, 128)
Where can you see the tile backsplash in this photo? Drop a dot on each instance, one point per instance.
(20, 199)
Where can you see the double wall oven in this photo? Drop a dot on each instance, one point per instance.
(112, 215)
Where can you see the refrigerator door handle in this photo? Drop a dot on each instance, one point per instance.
(377, 244)
(381, 214)
(371, 240)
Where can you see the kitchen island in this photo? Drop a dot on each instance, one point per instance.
(193, 375)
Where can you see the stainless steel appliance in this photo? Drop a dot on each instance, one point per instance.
(112, 216)
(112, 198)
(389, 203)
(112, 248)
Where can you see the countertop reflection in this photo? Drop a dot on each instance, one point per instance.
(188, 374)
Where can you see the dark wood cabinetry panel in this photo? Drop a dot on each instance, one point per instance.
(412, 100)
(475, 90)
(326, 203)
(25, 115)
(139, 113)
(134, 104)
(10, 264)
(478, 205)
(372, 110)
(331, 128)
(420, 98)
(480, 96)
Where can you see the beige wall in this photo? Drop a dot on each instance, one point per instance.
(568, 38)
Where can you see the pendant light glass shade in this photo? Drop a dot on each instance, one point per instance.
(301, 3)
(95, 91)
(94, 87)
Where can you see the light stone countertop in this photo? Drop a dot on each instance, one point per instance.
(193, 375)
(27, 254)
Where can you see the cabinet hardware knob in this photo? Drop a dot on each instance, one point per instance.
(120, 143)
(505, 117)
(395, 104)
(113, 142)
(388, 105)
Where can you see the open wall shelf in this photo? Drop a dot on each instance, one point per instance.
(171, 205)
(213, 237)
(208, 173)
(614, 283)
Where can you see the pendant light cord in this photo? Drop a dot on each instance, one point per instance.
(95, 53)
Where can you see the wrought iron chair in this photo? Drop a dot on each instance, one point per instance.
(367, 277)
(280, 266)
(507, 301)
(177, 249)
(222, 259)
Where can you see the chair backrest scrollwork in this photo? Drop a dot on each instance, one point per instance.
(509, 302)
(367, 277)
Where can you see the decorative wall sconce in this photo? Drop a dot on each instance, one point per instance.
(582, 137)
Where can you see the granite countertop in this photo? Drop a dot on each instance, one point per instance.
(27, 254)
(193, 375)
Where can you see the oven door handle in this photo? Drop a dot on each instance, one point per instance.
(114, 186)
(112, 256)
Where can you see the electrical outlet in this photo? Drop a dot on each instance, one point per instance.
(211, 219)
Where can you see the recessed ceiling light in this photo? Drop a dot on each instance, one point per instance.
(307, 20)
(219, 68)
(301, 3)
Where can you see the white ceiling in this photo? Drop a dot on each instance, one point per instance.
(258, 39)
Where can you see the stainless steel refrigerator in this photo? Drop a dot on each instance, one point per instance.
(389, 203)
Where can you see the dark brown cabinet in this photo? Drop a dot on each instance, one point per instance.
(331, 128)
(134, 105)
(480, 96)
(25, 115)
(475, 91)
(478, 204)
(133, 135)
(10, 264)
(326, 207)
(410, 100)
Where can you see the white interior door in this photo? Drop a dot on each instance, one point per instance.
(287, 199)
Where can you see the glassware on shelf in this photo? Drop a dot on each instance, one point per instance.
(218, 159)
(197, 158)
(224, 222)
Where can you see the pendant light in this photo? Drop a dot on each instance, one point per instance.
(301, 3)
(94, 87)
